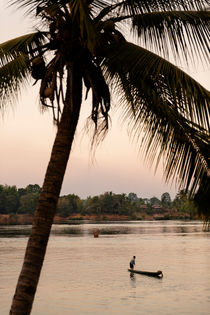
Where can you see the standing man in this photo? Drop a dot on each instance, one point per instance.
(132, 262)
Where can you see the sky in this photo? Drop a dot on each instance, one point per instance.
(27, 135)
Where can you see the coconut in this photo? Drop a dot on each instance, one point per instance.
(37, 61)
(48, 92)
(108, 26)
(38, 68)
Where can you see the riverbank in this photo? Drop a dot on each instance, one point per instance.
(24, 219)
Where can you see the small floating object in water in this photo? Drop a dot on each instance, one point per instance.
(156, 274)
(96, 233)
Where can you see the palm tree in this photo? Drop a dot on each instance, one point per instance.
(79, 44)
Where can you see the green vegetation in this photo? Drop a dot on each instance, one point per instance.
(18, 201)
(15, 201)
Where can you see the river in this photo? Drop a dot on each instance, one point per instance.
(87, 275)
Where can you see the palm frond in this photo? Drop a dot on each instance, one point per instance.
(165, 113)
(134, 7)
(185, 95)
(94, 80)
(80, 10)
(162, 132)
(201, 200)
(26, 44)
(32, 5)
(15, 57)
(12, 76)
(105, 7)
(186, 33)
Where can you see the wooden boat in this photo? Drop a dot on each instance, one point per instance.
(156, 274)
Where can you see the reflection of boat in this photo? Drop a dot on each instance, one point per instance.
(156, 274)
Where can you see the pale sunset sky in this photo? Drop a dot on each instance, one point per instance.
(26, 138)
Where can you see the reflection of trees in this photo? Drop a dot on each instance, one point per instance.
(106, 229)
(13, 231)
(138, 228)
(67, 230)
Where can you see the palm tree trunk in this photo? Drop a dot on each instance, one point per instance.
(46, 208)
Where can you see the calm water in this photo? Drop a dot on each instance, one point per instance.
(87, 275)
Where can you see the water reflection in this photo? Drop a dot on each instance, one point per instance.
(14, 230)
(132, 276)
(110, 228)
(130, 227)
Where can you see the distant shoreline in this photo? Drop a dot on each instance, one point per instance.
(24, 219)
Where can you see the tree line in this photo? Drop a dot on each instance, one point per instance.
(15, 200)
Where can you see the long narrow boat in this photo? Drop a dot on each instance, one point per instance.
(156, 274)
